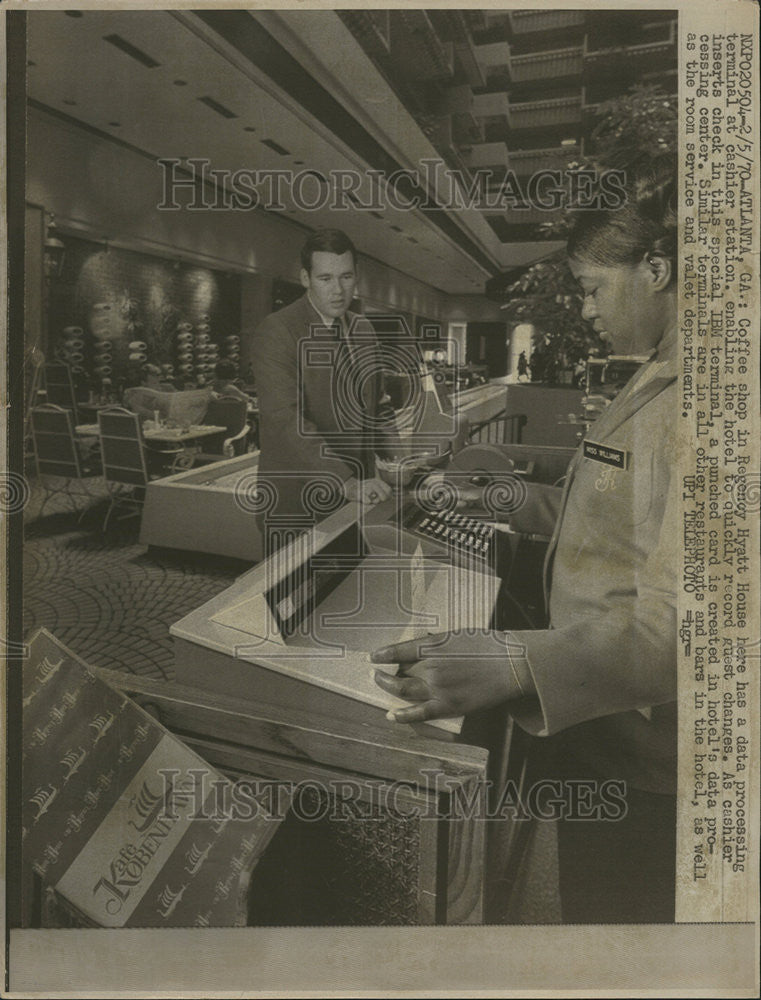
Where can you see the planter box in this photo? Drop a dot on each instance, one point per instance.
(198, 510)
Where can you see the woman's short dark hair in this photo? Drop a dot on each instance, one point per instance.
(645, 226)
(327, 241)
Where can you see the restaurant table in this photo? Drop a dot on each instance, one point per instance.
(86, 430)
(170, 434)
(182, 434)
(186, 438)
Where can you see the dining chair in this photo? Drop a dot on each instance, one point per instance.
(125, 469)
(59, 387)
(229, 412)
(57, 455)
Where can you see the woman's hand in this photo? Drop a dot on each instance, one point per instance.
(448, 675)
(366, 490)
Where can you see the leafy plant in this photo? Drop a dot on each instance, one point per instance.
(634, 128)
(547, 296)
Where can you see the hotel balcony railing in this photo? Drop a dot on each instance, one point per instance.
(590, 106)
(530, 161)
(541, 114)
(494, 105)
(612, 53)
(547, 65)
(523, 22)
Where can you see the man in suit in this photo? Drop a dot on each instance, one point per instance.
(319, 376)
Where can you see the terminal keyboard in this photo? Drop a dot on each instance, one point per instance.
(459, 533)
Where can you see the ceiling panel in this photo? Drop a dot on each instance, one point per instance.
(76, 71)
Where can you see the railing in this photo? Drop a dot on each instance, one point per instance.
(529, 161)
(632, 51)
(522, 22)
(503, 428)
(546, 65)
(540, 114)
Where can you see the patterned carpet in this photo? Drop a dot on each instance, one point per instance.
(108, 598)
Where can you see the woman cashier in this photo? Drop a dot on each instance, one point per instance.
(601, 680)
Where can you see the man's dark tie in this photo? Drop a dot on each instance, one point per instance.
(347, 360)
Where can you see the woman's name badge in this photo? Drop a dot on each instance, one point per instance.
(618, 458)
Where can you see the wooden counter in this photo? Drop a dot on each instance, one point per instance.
(257, 719)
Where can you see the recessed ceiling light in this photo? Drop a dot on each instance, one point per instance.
(180, 83)
(131, 50)
(216, 106)
(275, 146)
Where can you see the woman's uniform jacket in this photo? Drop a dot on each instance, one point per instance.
(605, 670)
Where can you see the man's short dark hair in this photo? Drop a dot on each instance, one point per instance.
(327, 241)
(225, 369)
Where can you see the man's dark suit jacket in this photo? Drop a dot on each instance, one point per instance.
(322, 418)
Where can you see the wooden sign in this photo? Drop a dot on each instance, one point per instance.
(129, 826)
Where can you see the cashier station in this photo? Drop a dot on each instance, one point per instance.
(377, 823)
(273, 681)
